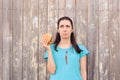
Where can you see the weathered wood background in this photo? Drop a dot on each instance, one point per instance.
(22, 23)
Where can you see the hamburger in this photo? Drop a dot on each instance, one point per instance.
(48, 38)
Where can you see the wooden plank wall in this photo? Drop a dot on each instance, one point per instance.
(23, 22)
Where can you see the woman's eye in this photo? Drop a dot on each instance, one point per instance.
(67, 26)
(61, 26)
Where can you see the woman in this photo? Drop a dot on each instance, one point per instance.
(66, 59)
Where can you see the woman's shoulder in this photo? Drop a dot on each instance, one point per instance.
(81, 46)
(52, 45)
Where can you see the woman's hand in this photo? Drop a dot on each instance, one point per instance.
(46, 40)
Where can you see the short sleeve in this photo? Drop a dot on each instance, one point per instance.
(84, 51)
(46, 55)
(46, 52)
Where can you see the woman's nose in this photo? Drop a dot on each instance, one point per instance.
(64, 28)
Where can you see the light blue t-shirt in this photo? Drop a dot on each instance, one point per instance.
(67, 62)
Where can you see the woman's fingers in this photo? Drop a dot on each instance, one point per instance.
(47, 38)
(45, 42)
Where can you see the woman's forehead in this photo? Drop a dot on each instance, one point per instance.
(65, 22)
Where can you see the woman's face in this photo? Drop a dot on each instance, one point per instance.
(65, 29)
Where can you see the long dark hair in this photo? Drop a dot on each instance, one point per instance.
(72, 37)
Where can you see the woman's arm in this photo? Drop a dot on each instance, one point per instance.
(51, 67)
(83, 68)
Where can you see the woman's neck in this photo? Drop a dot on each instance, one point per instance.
(65, 43)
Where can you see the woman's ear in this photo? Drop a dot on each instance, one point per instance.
(72, 30)
(58, 30)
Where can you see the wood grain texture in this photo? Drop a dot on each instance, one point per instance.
(1, 4)
(61, 4)
(16, 58)
(27, 24)
(1, 41)
(7, 39)
(103, 41)
(93, 26)
(119, 37)
(114, 39)
(33, 40)
(70, 8)
(30, 40)
(81, 21)
(43, 25)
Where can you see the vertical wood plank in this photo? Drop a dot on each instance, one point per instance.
(43, 23)
(17, 40)
(7, 39)
(30, 40)
(11, 47)
(6, 5)
(33, 39)
(103, 41)
(1, 4)
(1, 40)
(56, 18)
(70, 8)
(81, 20)
(78, 20)
(26, 39)
(93, 21)
(119, 36)
(114, 39)
(61, 8)
(51, 16)
(1, 51)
